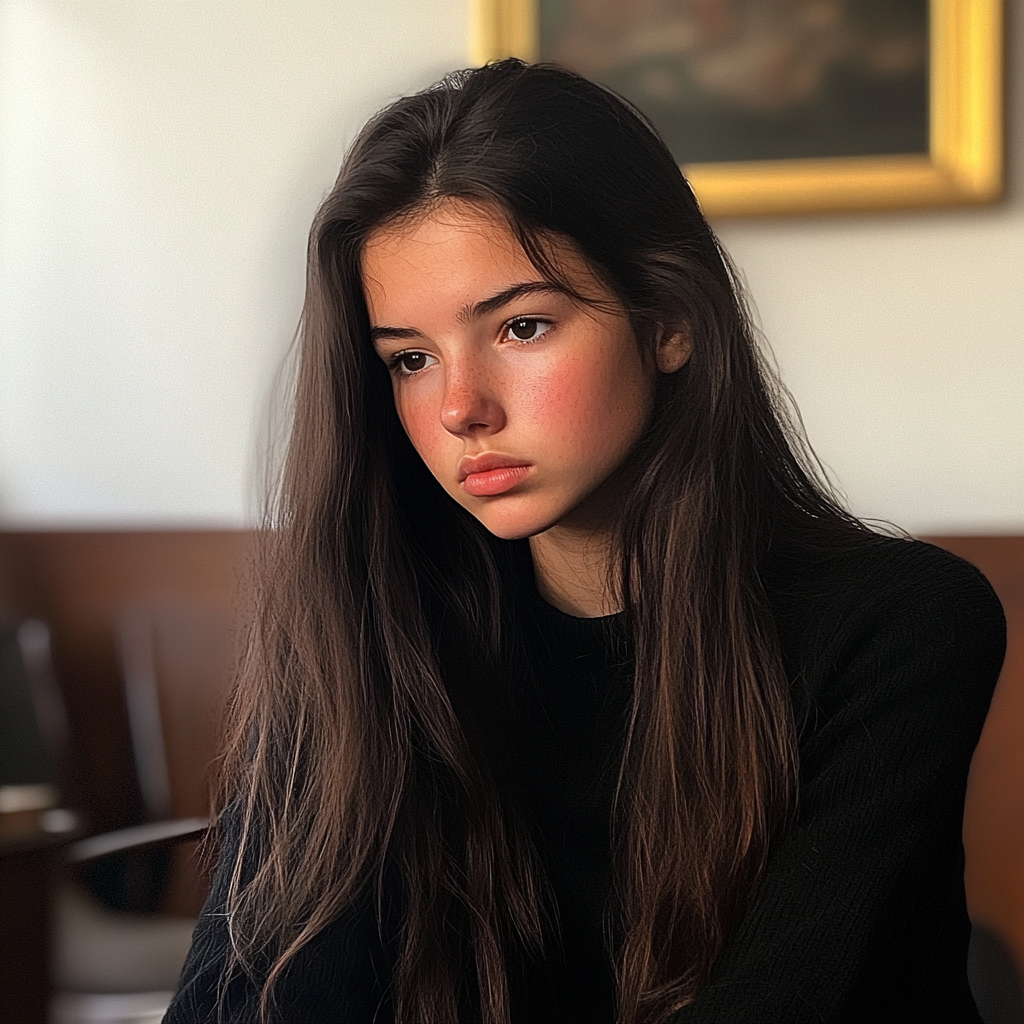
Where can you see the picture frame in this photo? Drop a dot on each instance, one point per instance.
(964, 159)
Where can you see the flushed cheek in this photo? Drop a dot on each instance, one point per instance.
(555, 395)
(420, 414)
(576, 408)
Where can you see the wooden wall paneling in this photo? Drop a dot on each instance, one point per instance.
(994, 816)
(81, 583)
(194, 659)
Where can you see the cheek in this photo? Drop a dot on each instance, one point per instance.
(421, 421)
(557, 399)
(584, 405)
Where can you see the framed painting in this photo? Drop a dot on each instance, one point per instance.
(790, 106)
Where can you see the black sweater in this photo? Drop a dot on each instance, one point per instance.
(892, 651)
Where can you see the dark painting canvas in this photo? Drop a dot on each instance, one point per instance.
(737, 80)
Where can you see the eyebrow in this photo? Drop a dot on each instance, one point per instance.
(475, 310)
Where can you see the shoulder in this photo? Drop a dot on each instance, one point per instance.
(904, 573)
(897, 571)
(868, 586)
(889, 613)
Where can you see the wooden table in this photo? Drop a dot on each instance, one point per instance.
(28, 864)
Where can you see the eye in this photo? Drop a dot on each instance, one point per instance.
(527, 328)
(406, 364)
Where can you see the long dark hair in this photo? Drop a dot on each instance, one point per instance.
(349, 756)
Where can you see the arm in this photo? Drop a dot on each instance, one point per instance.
(860, 914)
(339, 977)
(196, 1000)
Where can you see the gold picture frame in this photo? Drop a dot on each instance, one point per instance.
(964, 164)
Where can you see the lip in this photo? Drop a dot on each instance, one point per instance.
(488, 474)
(470, 465)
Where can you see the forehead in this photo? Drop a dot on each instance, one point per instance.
(426, 250)
(455, 253)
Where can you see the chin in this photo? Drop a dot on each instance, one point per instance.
(511, 523)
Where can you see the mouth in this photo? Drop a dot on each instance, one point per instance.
(487, 474)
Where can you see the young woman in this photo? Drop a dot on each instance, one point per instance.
(571, 695)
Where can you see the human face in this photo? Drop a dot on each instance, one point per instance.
(521, 400)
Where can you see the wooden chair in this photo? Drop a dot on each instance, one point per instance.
(63, 956)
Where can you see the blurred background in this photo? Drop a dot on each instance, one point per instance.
(160, 163)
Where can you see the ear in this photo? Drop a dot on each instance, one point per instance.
(673, 350)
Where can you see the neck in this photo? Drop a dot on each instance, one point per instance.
(571, 568)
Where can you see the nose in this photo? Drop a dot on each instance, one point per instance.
(471, 406)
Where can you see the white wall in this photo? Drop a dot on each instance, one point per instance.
(160, 161)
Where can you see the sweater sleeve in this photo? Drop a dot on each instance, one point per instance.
(199, 998)
(340, 977)
(860, 914)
